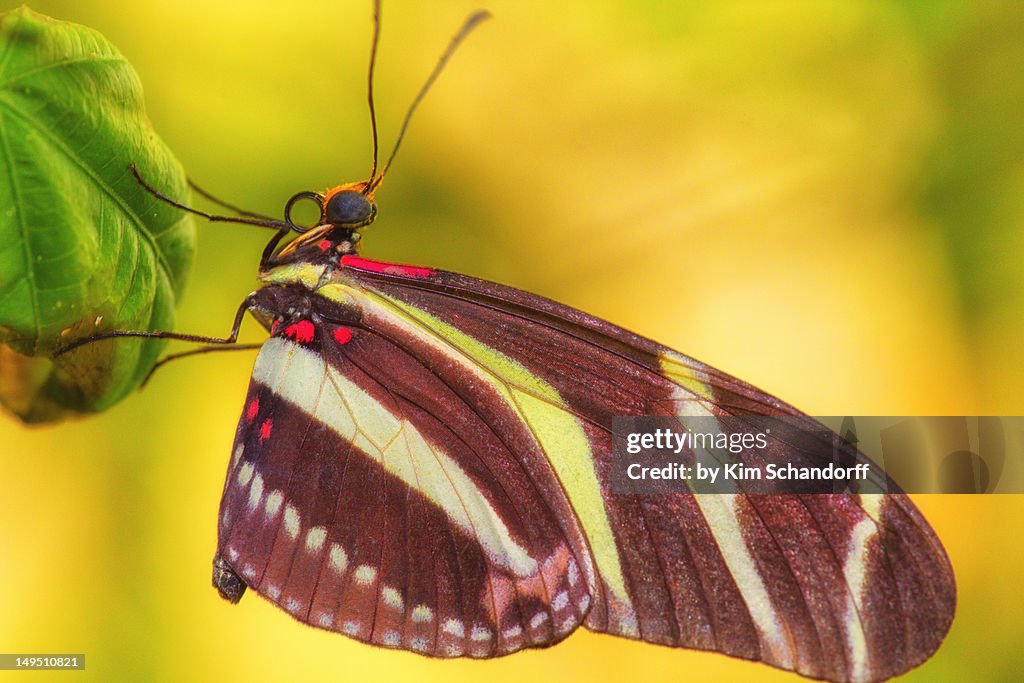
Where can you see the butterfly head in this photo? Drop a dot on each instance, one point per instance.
(344, 210)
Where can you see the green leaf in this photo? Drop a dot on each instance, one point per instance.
(83, 248)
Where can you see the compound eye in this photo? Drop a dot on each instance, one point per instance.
(349, 208)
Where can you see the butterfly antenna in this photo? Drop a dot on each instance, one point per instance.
(467, 27)
(369, 88)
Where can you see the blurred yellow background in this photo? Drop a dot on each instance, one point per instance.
(824, 199)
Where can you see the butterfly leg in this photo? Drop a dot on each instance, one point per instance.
(248, 304)
(195, 352)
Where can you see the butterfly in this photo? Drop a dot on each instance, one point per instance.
(423, 462)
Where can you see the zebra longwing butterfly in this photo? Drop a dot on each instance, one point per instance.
(423, 462)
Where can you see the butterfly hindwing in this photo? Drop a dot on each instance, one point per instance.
(360, 503)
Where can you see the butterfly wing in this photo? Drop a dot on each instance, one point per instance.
(843, 587)
(367, 496)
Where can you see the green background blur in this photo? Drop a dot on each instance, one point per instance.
(825, 199)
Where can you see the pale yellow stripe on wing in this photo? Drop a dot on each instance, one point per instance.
(721, 512)
(872, 505)
(855, 570)
(675, 369)
(557, 430)
(393, 442)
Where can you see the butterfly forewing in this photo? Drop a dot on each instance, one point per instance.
(837, 586)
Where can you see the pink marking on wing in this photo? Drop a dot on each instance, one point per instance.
(254, 407)
(266, 428)
(343, 335)
(301, 331)
(324, 245)
(274, 326)
(385, 268)
(501, 592)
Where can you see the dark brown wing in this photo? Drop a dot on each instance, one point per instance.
(369, 498)
(520, 392)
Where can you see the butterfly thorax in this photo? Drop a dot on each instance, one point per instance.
(323, 245)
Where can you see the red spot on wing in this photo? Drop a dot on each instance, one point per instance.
(324, 245)
(266, 428)
(254, 407)
(274, 326)
(343, 335)
(300, 331)
(385, 268)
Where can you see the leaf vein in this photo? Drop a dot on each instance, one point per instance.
(23, 229)
(4, 84)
